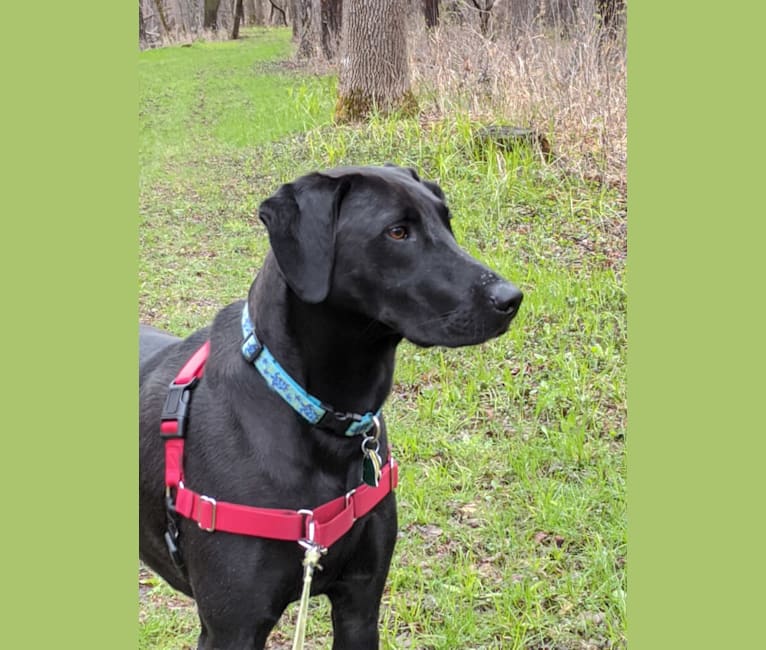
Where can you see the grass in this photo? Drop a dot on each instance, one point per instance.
(211, 96)
(512, 494)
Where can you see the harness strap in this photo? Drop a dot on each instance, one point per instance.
(194, 368)
(322, 526)
(173, 419)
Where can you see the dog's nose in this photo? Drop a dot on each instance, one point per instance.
(505, 297)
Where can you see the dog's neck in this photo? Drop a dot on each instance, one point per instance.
(343, 358)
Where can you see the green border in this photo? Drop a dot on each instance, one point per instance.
(696, 439)
(69, 326)
(696, 435)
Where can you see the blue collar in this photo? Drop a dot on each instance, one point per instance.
(311, 408)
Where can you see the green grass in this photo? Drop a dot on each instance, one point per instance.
(211, 97)
(512, 495)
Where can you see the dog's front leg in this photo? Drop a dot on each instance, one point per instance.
(356, 595)
(223, 633)
(355, 610)
(242, 585)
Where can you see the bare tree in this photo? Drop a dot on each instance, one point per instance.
(316, 26)
(211, 14)
(239, 15)
(141, 27)
(277, 7)
(485, 10)
(332, 21)
(431, 13)
(305, 18)
(251, 9)
(165, 21)
(374, 68)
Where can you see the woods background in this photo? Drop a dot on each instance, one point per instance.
(318, 22)
(556, 66)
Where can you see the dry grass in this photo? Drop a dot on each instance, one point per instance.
(566, 82)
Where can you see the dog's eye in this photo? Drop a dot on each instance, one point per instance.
(398, 233)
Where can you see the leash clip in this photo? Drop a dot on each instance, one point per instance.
(172, 533)
(309, 528)
(311, 557)
(309, 541)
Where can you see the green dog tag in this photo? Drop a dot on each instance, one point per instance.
(371, 468)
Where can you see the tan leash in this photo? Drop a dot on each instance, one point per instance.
(313, 554)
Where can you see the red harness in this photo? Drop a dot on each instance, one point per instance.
(322, 526)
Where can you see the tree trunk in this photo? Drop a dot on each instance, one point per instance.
(141, 29)
(431, 13)
(211, 14)
(485, 9)
(332, 20)
(484, 22)
(374, 68)
(305, 21)
(251, 9)
(282, 13)
(239, 15)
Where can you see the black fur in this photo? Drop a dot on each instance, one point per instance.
(335, 296)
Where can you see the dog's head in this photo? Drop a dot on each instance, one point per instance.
(378, 241)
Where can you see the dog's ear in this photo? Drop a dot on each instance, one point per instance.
(300, 218)
(435, 189)
(405, 170)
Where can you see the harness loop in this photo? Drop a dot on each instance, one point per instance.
(309, 526)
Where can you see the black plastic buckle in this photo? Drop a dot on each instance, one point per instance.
(336, 421)
(176, 407)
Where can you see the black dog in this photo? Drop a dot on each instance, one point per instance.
(361, 258)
